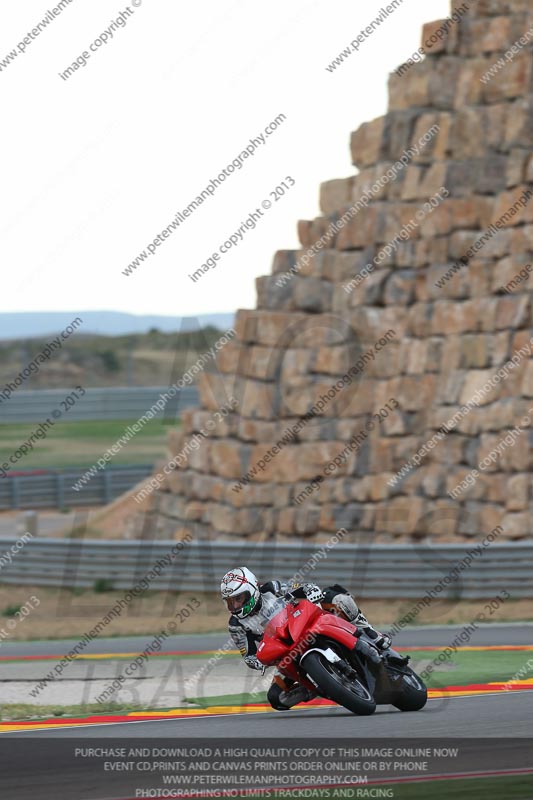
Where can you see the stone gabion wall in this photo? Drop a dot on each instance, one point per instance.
(415, 251)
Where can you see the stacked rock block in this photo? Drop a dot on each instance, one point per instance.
(449, 339)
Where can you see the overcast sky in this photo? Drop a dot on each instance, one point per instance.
(96, 166)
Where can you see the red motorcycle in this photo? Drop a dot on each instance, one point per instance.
(333, 658)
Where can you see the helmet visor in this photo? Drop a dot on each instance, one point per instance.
(237, 603)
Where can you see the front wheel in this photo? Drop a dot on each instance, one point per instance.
(334, 684)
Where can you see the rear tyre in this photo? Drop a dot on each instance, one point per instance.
(413, 695)
(333, 684)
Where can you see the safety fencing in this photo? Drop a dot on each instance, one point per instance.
(371, 571)
(124, 403)
(54, 489)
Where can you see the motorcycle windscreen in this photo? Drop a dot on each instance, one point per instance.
(302, 618)
(278, 625)
(276, 640)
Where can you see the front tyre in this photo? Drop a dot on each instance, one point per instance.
(334, 684)
(413, 695)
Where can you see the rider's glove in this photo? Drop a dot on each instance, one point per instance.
(368, 651)
(383, 642)
(313, 592)
(253, 662)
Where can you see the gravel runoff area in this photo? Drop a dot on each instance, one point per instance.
(161, 683)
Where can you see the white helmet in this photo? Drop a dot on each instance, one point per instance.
(240, 589)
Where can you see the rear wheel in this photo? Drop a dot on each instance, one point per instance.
(334, 683)
(413, 695)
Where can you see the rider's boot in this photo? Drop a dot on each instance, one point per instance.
(297, 695)
(284, 694)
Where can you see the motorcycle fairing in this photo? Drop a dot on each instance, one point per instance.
(299, 623)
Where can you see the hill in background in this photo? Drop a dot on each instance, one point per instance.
(154, 358)
(31, 324)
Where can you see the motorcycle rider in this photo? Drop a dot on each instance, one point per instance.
(250, 605)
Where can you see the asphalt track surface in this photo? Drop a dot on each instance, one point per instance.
(502, 717)
(419, 636)
(488, 716)
(499, 715)
(456, 721)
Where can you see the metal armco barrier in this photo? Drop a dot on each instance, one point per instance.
(126, 403)
(379, 571)
(54, 489)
